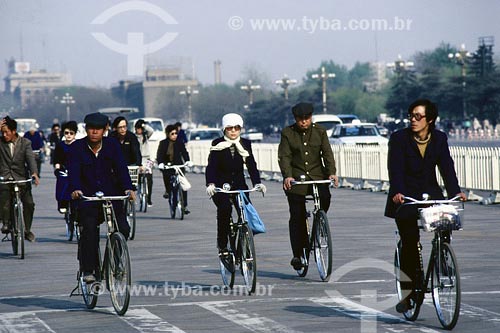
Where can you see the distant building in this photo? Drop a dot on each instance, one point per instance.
(149, 96)
(30, 87)
(379, 78)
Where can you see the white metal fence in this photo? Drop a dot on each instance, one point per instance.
(365, 167)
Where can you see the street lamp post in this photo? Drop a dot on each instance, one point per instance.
(400, 67)
(323, 76)
(250, 88)
(188, 92)
(460, 58)
(284, 83)
(68, 100)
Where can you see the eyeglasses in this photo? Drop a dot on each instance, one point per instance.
(172, 133)
(417, 116)
(233, 128)
(69, 132)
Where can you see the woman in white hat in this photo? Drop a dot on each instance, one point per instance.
(226, 161)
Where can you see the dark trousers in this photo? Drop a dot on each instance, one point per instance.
(297, 225)
(6, 195)
(407, 222)
(224, 210)
(167, 181)
(90, 216)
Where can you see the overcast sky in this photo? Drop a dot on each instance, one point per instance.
(57, 34)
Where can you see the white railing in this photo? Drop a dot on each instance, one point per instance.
(365, 167)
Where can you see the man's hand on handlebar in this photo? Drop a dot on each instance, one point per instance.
(76, 194)
(131, 194)
(335, 180)
(287, 183)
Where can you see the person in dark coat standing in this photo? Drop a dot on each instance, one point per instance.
(96, 163)
(304, 150)
(128, 141)
(414, 154)
(172, 151)
(228, 156)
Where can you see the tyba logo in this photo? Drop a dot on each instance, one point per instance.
(135, 49)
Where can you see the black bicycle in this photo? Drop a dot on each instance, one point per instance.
(176, 195)
(128, 205)
(17, 226)
(440, 217)
(319, 238)
(114, 268)
(142, 190)
(240, 246)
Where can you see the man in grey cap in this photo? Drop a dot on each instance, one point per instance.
(304, 150)
(96, 163)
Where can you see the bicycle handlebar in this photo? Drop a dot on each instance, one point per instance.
(101, 197)
(221, 190)
(14, 181)
(166, 167)
(414, 201)
(307, 182)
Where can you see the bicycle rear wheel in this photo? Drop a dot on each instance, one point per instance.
(322, 245)
(130, 212)
(412, 313)
(118, 272)
(90, 291)
(248, 259)
(446, 286)
(144, 194)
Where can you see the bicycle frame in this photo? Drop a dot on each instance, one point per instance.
(17, 215)
(319, 236)
(176, 199)
(441, 270)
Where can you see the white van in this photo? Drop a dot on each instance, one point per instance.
(328, 121)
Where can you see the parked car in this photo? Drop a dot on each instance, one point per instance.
(362, 133)
(328, 121)
(207, 133)
(383, 130)
(253, 135)
(349, 118)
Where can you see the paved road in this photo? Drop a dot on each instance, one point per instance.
(177, 282)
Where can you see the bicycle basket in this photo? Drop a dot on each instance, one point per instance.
(447, 217)
(133, 171)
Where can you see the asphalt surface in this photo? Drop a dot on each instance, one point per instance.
(177, 284)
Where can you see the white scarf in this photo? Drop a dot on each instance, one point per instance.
(228, 143)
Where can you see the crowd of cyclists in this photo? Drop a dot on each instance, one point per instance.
(98, 162)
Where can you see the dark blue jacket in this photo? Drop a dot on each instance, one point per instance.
(107, 172)
(181, 155)
(130, 148)
(412, 175)
(224, 168)
(36, 140)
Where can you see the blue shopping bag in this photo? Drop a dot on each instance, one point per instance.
(253, 218)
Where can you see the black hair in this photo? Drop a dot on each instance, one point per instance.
(55, 125)
(117, 121)
(71, 125)
(178, 124)
(431, 110)
(10, 123)
(139, 123)
(170, 128)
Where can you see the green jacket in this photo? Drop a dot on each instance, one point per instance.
(306, 153)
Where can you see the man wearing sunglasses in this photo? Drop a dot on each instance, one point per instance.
(414, 154)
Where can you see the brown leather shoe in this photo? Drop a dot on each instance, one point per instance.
(29, 236)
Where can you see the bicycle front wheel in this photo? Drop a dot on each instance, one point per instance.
(322, 245)
(446, 286)
(248, 259)
(144, 194)
(118, 272)
(130, 211)
(412, 313)
(70, 226)
(90, 291)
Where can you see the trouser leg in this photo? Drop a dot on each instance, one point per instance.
(297, 223)
(224, 209)
(28, 207)
(406, 220)
(89, 240)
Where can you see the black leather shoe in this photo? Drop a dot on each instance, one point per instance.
(165, 195)
(186, 211)
(5, 229)
(404, 305)
(296, 263)
(29, 236)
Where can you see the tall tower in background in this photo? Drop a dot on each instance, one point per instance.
(217, 72)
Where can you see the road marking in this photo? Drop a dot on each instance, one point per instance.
(364, 313)
(250, 321)
(145, 321)
(23, 323)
